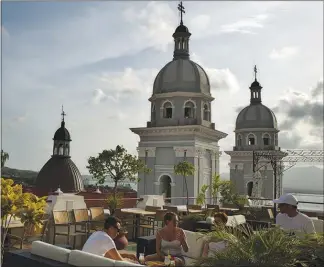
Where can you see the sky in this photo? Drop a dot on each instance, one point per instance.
(99, 60)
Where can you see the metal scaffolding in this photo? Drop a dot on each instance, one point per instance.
(282, 160)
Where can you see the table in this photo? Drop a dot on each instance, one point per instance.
(228, 209)
(137, 212)
(154, 263)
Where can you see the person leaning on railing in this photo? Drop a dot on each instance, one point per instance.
(290, 219)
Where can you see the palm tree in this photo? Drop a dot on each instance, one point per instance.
(185, 169)
(4, 158)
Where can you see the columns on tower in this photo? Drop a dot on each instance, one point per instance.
(146, 152)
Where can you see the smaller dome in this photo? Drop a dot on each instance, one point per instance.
(255, 84)
(256, 116)
(62, 133)
(181, 28)
(60, 172)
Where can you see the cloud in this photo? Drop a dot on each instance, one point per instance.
(304, 112)
(284, 52)
(154, 24)
(98, 96)
(220, 79)
(128, 82)
(118, 116)
(199, 24)
(4, 31)
(245, 26)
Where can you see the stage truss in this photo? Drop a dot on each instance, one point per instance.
(281, 161)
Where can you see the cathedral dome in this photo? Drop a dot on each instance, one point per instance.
(181, 75)
(256, 116)
(62, 133)
(60, 172)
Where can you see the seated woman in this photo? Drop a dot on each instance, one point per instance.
(220, 220)
(169, 241)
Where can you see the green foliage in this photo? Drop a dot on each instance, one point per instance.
(115, 202)
(115, 164)
(267, 248)
(4, 158)
(185, 169)
(14, 203)
(118, 165)
(215, 187)
(201, 198)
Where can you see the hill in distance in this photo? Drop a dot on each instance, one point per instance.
(308, 180)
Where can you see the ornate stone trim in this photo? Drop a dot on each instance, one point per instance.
(142, 152)
(236, 166)
(198, 130)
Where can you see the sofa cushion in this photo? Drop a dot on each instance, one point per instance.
(319, 225)
(81, 258)
(124, 264)
(236, 220)
(190, 261)
(213, 247)
(195, 243)
(50, 251)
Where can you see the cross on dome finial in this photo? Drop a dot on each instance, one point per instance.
(182, 10)
(255, 72)
(63, 113)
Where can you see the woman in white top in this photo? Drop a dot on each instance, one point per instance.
(170, 240)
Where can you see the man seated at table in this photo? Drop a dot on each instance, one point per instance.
(290, 219)
(101, 242)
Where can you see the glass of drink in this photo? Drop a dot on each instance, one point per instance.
(172, 263)
(141, 258)
(166, 261)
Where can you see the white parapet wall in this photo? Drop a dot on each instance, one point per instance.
(151, 200)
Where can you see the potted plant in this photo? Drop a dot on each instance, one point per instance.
(24, 206)
(268, 248)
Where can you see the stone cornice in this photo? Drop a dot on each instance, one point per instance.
(183, 94)
(253, 130)
(198, 130)
(278, 153)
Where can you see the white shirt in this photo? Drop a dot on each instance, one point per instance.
(99, 243)
(300, 223)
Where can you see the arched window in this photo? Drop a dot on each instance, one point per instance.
(251, 140)
(206, 113)
(167, 110)
(189, 110)
(66, 150)
(266, 139)
(60, 150)
(153, 112)
(239, 140)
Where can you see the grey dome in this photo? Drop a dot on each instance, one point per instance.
(181, 75)
(62, 134)
(256, 116)
(60, 171)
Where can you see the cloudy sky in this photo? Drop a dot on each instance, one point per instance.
(99, 59)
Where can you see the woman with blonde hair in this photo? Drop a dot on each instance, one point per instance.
(170, 240)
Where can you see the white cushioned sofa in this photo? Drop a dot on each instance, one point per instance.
(73, 257)
(197, 240)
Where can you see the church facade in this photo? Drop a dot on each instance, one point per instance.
(256, 129)
(180, 127)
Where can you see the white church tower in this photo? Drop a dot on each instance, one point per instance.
(180, 126)
(256, 130)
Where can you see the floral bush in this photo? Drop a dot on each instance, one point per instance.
(27, 207)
